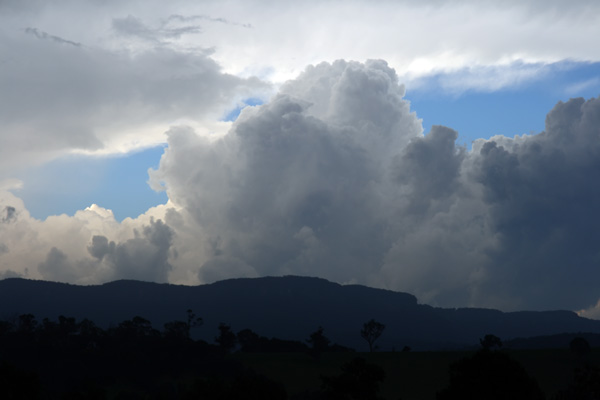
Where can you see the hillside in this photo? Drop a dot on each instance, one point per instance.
(286, 307)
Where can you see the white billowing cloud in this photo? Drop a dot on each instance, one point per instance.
(69, 249)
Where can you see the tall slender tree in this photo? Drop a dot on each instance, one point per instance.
(371, 331)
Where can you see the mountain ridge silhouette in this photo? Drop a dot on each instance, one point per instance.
(289, 307)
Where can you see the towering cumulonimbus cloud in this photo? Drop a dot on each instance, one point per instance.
(333, 177)
(304, 183)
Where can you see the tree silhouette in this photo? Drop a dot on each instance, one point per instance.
(490, 341)
(135, 329)
(180, 329)
(177, 330)
(318, 342)
(192, 320)
(226, 339)
(371, 331)
(27, 324)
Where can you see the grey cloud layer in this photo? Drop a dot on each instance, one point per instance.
(60, 95)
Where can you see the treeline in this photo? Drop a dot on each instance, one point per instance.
(73, 359)
(70, 359)
(68, 334)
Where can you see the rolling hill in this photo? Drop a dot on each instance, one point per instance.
(288, 307)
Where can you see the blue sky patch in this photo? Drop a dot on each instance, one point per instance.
(233, 114)
(516, 110)
(73, 183)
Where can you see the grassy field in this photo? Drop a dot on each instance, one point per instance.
(411, 375)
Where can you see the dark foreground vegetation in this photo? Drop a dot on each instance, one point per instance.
(70, 359)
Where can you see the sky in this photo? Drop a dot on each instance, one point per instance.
(445, 149)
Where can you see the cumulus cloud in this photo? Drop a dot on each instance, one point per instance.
(143, 257)
(57, 267)
(282, 173)
(334, 177)
(542, 205)
(89, 247)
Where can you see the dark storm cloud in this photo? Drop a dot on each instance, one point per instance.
(429, 166)
(100, 247)
(334, 178)
(144, 257)
(543, 207)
